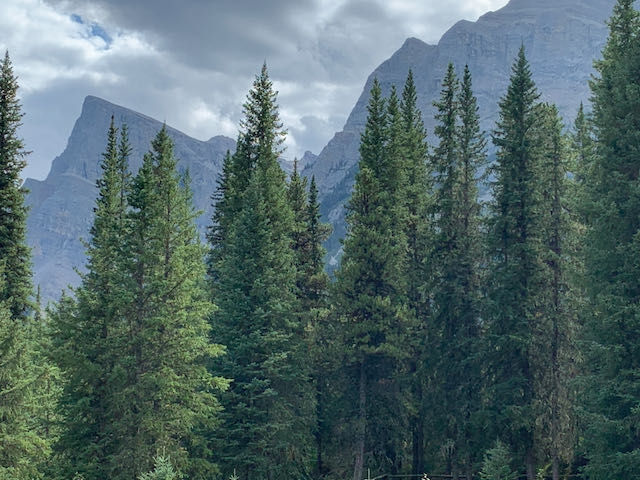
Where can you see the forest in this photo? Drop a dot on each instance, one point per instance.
(484, 321)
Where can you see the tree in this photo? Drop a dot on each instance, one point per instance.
(515, 279)
(14, 252)
(22, 446)
(418, 229)
(369, 293)
(497, 464)
(265, 428)
(162, 470)
(312, 282)
(163, 396)
(554, 349)
(612, 439)
(458, 158)
(87, 327)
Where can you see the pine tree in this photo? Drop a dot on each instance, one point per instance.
(321, 331)
(514, 277)
(369, 294)
(23, 447)
(162, 396)
(265, 430)
(17, 288)
(554, 349)
(86, 327)
(418, 229)
(612, 389)
(457, 159)
(309, 233)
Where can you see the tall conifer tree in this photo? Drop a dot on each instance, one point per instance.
(555, 354)
(266, 430)
(369, 295)
(163, 396)
(612, 437)
(514, 278)
(418, 230)
(85, 328)
(22, 446)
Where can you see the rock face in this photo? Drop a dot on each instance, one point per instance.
(62, 205)
(561, 39)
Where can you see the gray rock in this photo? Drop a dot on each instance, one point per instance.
(62, 204)
(561, 38)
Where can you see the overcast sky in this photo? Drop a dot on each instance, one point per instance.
(191, 62)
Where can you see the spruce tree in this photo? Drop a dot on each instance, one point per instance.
(369, 295)
(514, 277)
(457, 159)
(612, 389)
(265, 430)
(162, 397)
(15, 255)
(23, 447)
(86, 328)
(418, 229)
(554, 350)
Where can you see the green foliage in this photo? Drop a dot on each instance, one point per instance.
(162, 470)
(497, 464)
(515, 273)
(611, 387)
(416, 198)
(369, 291)
(134, 341)
(24, 444)
(14, 252)
(265, 428)
(457, 259)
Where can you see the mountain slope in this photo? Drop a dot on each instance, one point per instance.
(561, 38)
(62, 204)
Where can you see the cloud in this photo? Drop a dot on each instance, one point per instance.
(191, 62)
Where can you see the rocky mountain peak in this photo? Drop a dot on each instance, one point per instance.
(62, 204)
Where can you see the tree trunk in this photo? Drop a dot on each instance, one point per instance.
(319, 426)
(531, 471)
(361, 426)
(555, 468)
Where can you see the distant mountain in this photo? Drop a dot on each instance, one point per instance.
(561, 38)
(62, 205)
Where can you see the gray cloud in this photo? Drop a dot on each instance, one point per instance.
(191, 62)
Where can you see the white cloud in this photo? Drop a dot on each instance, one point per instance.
(191, 63)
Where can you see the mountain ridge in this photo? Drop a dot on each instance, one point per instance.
(61, 205)
(561, 38)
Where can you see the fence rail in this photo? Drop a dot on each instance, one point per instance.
(429, 476)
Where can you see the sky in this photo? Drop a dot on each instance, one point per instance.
(191, 63)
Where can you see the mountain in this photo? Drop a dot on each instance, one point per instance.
(62, 204)
(561, 38)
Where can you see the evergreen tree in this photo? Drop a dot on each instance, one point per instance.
(266, 431)
(612, 389)
(23, 447)
(369, 294)
(515, 279)
(85, 328)
(163, 396)
(15, 255)
(316, 302)
(457, 309)
(309, 233)
(418, 229)
(221, 219)
(554, 350)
